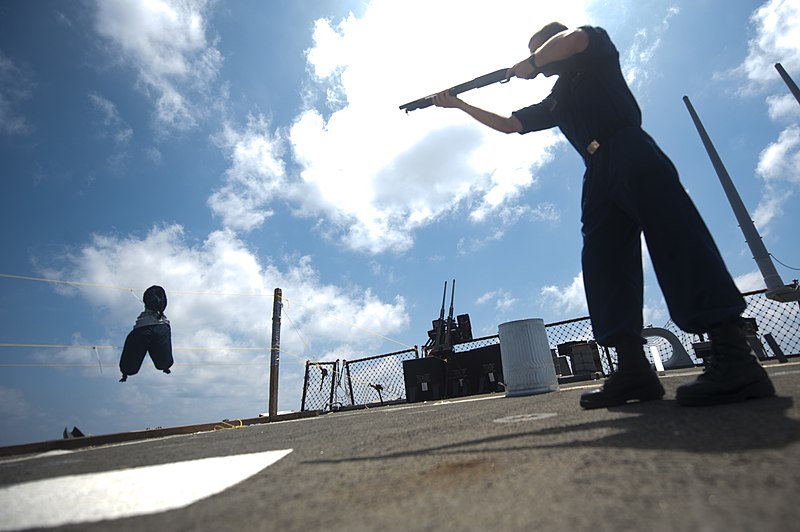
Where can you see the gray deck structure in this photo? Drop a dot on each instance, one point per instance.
(483, 463)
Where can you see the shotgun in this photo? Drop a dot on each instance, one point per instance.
(498, 76)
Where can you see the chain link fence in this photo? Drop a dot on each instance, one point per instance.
(379, 379)
(476, 343)
(372, 380)
(318, 385)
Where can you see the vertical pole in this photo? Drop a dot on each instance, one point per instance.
(334, 376)
(275, 353)
(349, 383)
(789, 81)
(305, 388)
(751, 236)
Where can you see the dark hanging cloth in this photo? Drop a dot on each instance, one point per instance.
(151, 334)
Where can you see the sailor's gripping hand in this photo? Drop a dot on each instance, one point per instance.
(445, 99)
(525, 69)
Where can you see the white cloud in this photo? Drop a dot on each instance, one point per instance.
(779, 167)
(506, 215)
(783, 107)
(777, 40)
(750, 281)
(220, 296)
(15, 88)
(656, 315)
(502, 299)
(112, 127)
(570, 300)
(780, 161)
(646, 42)
(375, 175)
(256, 175)
(165, 42)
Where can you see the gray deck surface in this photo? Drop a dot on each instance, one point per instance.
(487, 463)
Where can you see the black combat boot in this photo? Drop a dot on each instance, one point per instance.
(634, 380)
(733, 373)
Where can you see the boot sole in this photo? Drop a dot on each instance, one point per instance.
(757, 390)
(590, 402)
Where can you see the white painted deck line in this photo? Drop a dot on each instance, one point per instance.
(127, 492)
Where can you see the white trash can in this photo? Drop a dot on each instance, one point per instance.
(527, 361)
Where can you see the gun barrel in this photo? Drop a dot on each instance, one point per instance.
(441, 320)
(449, 325)
(480, 81)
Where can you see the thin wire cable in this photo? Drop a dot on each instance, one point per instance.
(70, 283)
(66, 346)
(296, 330)
(353, 325)
(133, 291)
(183, 292)
(92, 364)
(298, 357)
(782, 264)
(95, 348)
(126, 288)
(110, 365)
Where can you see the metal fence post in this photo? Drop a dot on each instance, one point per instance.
(349, 383)
(334, 376)
(305, 389)
(275, 353)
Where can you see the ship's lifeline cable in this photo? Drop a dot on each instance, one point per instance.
(133, 291)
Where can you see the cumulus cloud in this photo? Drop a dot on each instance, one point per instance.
(255, 178)
(501, 299)
(783, 107)
(504, 304)
(220, 304)
(166, 44)
(569, 300)
(779, 167)
(375, 175)
(15, 89)
(750, 281)
(776, 40)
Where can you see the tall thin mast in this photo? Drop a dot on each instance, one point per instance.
(776, 289)
(789, 81)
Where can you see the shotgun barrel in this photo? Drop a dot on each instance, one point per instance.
(498, 76)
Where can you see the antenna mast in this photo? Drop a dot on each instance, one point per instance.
(776, 289)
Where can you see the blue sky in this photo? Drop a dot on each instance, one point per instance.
(222, 149)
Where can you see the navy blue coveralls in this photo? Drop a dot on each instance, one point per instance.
(151, 334)
(630, 187)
